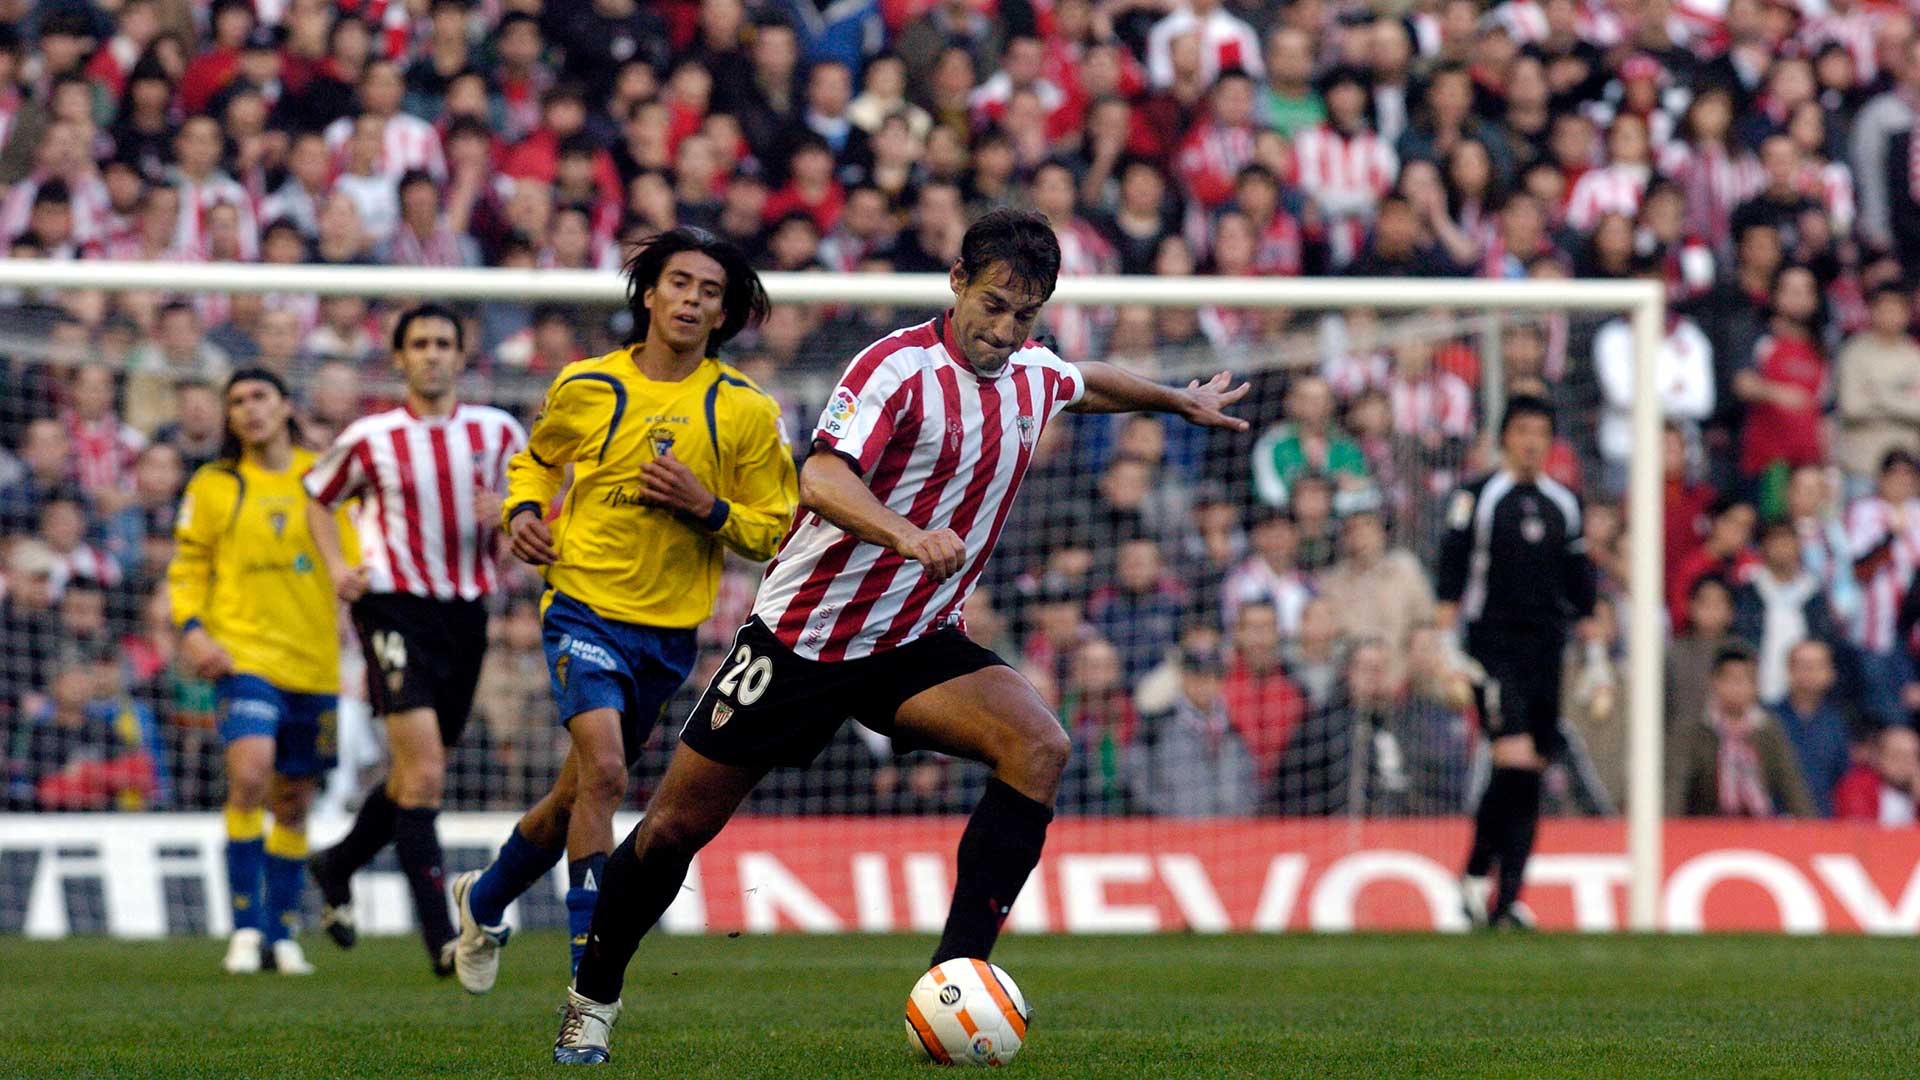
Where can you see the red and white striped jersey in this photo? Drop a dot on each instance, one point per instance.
(103, 451)
(1871, 522)
(1346, 175)
(1615, 189)
(415, 478)
(408, 143)
(1438, 402)
(938, 444)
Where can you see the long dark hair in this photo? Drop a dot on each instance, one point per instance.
(745, 300)
(230, 448)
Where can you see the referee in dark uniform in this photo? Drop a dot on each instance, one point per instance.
(1514, 572)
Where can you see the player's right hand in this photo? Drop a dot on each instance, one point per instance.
(942, 552)
(350, 583)
(532, 540)
(205, 657)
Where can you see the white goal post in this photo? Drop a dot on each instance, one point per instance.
(1643, 302)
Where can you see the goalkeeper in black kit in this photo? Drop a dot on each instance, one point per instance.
(1513, 575)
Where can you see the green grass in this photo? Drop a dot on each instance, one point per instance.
(1363, 1006)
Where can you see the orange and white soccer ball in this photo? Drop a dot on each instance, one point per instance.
(966, 1012)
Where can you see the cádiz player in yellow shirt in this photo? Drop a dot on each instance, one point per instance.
(675, 456)
(257, 616)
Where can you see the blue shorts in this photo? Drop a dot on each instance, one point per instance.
(302, 726)
(596, 663)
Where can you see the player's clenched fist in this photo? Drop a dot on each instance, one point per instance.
(942, 552)
(532, 541)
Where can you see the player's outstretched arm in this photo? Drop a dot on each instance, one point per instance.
(1111, 389)
(829, 487)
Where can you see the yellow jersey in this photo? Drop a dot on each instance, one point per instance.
(246, 568)
(627, 560)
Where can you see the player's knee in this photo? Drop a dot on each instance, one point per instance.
(1045, 750)
(247, 789)
(603, 781)
(419, 782)
(674, 833)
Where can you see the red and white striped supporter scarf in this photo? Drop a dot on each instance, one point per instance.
(1742, 792)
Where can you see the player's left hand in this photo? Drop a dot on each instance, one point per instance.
(1205, 403)
(666, 481)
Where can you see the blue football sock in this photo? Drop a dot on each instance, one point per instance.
(286, 859)
(583, 875)
(519, 865)
(246, 859)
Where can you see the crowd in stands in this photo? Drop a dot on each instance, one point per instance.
(1227, 625)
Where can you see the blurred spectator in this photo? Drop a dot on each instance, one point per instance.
(1190, 762)
(1100, 718)
(1878, 371)
(1815, 721)
(1883, 532)
(1140, 611)
(87, 747)
(1785, 391)
(1593, 701)
(1733, 760)
(515, 702)
(197, 424)
(46, 450)
(1823, 540)
(1377, 592)
(1269, 574)
(1727, 552)
(1307, 440)
(1780, 605)
(1263, 703)
(1686, 373)
(1706, 632)
(1884, 788)
(1313, 655)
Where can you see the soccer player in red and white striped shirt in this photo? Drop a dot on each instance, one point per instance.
(429, 476)
(914, 469)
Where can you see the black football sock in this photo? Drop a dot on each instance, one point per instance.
(1489, 824)
(634, 893)
(999, 849)
(1523, 819)
(372, 828)
(417, 842)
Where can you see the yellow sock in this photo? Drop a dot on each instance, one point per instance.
(244, 825)
(285, 843)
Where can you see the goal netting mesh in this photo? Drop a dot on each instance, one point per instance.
(1236, 629)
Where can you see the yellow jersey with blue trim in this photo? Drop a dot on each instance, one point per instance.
(245, 567)
(629, 560)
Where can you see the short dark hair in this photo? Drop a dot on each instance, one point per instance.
(416, 176)
(1021, 239)
(745, 300)
(1528, 405)
(428, 311)
(1737, 652)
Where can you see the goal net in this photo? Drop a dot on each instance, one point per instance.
(1236, 630)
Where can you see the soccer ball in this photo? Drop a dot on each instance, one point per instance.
(966, 1012)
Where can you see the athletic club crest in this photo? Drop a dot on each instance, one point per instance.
(1532, 528)
(661, 439)
(955, 433)
(1028, 430)
(722, 712)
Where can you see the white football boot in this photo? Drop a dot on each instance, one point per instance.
(288, 959)
(1474, 892)
(476, 952)
(243, 952)
(586, 1026)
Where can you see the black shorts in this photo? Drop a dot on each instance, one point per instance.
(1522, 693)
(768, 706)
(422, 654)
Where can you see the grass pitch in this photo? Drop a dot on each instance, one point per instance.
(1361, 1006)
